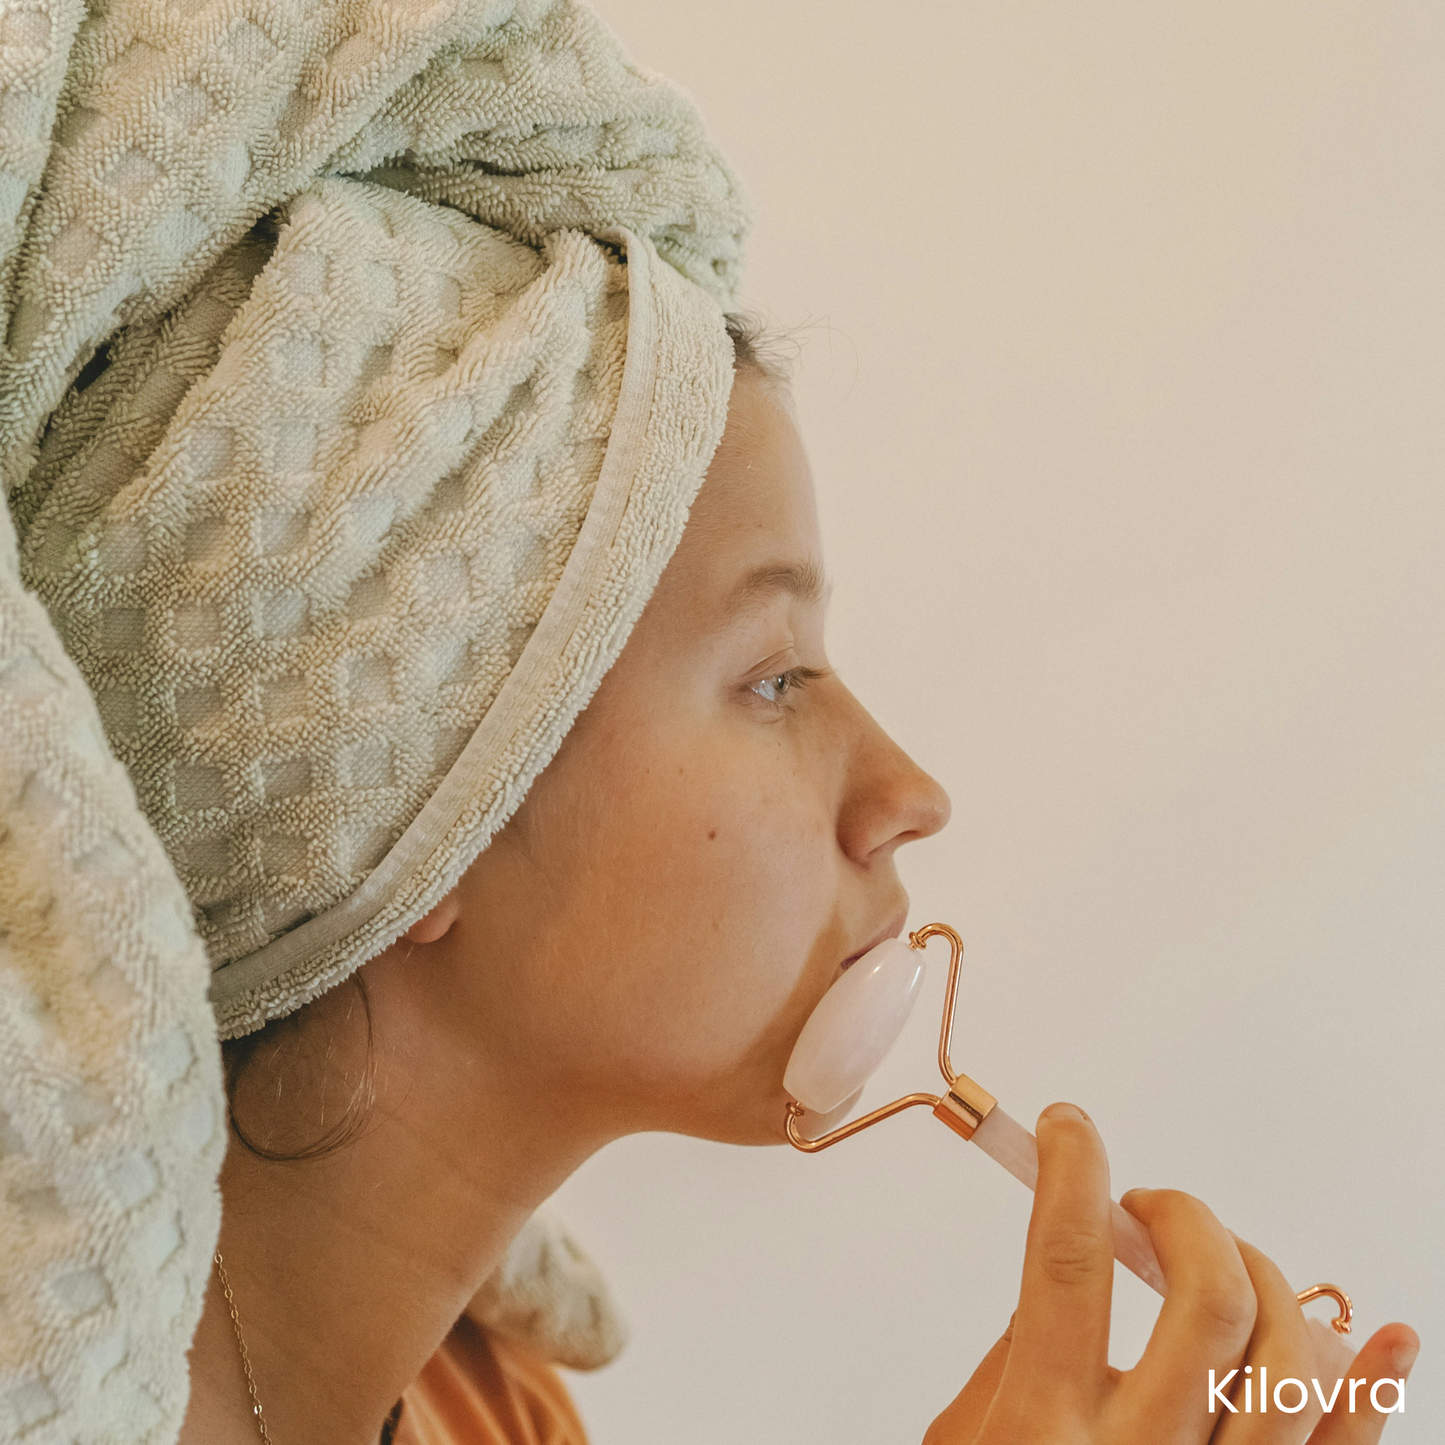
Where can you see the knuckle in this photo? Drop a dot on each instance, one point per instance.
(1075, 1256)
(1227, 1306)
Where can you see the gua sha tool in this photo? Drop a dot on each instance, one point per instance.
(851, 1030)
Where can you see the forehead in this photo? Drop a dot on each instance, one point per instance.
(756, 508)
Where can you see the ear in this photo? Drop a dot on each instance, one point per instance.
(438, 922)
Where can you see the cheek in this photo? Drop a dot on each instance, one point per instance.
(710, 895)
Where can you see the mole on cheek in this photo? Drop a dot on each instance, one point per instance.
(711, 835)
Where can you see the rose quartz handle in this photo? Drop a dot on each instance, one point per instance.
(1007, 1142)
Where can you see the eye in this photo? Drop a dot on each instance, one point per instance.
(771, 689)
(776, 686)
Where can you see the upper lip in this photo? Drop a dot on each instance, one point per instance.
(890, 930)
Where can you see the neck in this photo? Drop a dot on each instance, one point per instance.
(349, 1270)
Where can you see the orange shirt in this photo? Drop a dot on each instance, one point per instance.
(481, 1389)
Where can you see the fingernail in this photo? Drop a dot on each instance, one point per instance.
(1064, 1111)
(1404, 1357)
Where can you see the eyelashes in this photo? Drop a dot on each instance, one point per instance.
(776, 688)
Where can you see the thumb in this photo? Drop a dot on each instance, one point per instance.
(960, 1423)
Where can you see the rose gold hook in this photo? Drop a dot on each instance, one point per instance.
(1343, 1315)
(919, 940)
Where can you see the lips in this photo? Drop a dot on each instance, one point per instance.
(891, 930)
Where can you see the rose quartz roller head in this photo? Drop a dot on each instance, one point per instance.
(854, 1025)
(851, 1030)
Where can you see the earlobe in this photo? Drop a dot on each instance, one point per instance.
(438, 922)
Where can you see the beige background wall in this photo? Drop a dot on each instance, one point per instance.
(1124, 391)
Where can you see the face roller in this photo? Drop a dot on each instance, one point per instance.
(855, 1024)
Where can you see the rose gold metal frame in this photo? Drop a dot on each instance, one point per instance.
(963, 1107)
(966, 1104)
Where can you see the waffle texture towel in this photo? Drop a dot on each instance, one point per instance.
(361, 360)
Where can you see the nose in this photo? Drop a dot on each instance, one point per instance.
(888, 799)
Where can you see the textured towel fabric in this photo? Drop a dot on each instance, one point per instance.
(548, 1293)
(361, 361)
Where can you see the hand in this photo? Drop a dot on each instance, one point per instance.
(1048, 1380)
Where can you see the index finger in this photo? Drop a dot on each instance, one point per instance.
(1061, 1330)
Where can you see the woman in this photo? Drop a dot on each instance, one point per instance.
(513, 815)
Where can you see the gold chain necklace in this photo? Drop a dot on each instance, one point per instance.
(245, 1353)
(388, 1429)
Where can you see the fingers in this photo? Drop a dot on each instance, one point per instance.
(1389, 1354)
(1205, 1323)
(1061, 1330)
(959, 1424)
(1280, 1350)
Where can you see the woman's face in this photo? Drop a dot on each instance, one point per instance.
(713, 843)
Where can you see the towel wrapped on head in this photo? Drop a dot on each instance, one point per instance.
(361, 364)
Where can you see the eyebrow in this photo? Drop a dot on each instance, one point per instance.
(803, 580)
